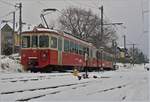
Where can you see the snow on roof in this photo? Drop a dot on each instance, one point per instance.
(45, 29)
(3, 24)
(24, 27)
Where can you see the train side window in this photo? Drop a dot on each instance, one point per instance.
(44, 41)
(72, 46)
(66, 45)
(94, 53)
(34, 41)
(99, 55)
(84, 50)
(60, 44)
(104, 56)
(81, 50)
(76, 48)
(88, 51)
(53, 42)
(91, 53)
(109, 57)
(25, 41)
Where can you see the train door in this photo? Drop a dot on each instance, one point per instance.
(60, 51)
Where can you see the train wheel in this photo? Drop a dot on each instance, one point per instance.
(33, 70)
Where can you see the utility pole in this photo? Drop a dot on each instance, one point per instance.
(101, 36)
(115, 50)
(102, 33)
(133, 59)
(0, 44)
(20, 22)
(13, 33)
(124, 37)
(133, 48)
(19, 5)
(102, 11)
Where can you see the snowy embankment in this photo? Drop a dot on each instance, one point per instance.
(10, 64)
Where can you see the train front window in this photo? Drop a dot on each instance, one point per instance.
(25, 41)
(53, 42)
(34, 41)
(44, 41)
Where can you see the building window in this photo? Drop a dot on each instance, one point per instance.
(44, 41)
(53, 42)
(25, 41)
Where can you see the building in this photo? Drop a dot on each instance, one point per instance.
(6, 40)
(10, 39)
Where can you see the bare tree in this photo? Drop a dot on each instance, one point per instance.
(85, 25)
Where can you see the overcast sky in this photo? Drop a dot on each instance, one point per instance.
(128, 12)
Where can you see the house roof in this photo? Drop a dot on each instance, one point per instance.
(24, 27)
(6, 27)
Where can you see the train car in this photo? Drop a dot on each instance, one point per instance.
(47, 50)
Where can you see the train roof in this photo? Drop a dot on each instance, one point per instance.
(58, 32)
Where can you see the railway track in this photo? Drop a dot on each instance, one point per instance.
(25, 79)
(42, 88)
(34, 92)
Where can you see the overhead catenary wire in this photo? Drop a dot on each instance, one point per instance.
(7, 3)
(142, 19)
(85, 5)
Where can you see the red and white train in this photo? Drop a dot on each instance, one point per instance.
(47, 50)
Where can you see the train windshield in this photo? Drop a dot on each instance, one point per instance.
(25, 41)
(43, 41)
(34, 41)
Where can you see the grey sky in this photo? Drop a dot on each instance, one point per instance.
(128, 12)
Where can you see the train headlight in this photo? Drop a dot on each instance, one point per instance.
(23, 55)
(44, 55)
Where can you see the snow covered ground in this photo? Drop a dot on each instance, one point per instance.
(125, 84)
(10, 64)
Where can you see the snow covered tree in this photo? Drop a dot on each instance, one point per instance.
(86, 25)
(138, 56)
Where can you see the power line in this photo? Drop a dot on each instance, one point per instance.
(7, 14)
(7, 3)
(86, 5)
